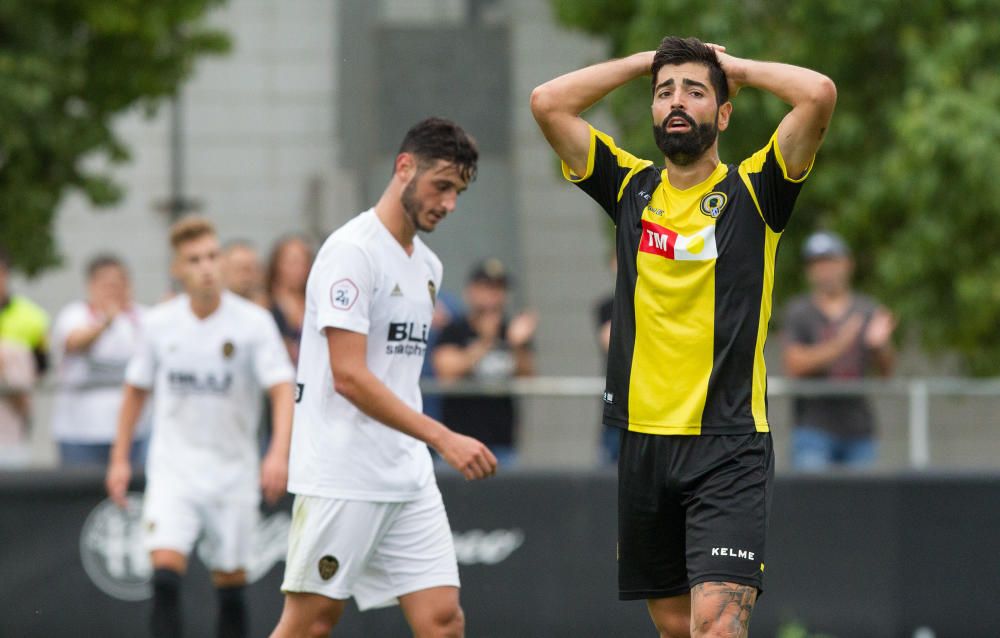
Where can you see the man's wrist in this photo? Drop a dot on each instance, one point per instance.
(437, 434)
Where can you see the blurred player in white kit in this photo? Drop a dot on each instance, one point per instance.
(206, 355)
(368, 520)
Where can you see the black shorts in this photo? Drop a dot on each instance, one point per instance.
(691, 509)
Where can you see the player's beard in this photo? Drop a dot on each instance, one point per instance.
(412, 206)
(685, 148)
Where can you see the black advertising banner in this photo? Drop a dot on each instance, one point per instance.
(847, 556)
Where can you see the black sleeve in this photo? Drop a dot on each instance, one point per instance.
(774, 190)
(609, 168)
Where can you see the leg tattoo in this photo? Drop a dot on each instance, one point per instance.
(724, 607)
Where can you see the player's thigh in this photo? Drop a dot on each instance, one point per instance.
(727, 510)
(417, 552)
(435, 611)
(170, 520)
(229, 530)
(330, 544)
(672, 616)
(651, 521)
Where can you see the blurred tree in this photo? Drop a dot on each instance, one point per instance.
(67, 68)
(906, 172)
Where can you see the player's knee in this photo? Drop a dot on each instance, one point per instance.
(443, 622)
(673, 626)
(320, 628)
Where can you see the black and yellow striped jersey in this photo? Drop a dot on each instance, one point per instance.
(693, 291)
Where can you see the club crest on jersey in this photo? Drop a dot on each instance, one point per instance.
(432, 289)
(713, 203)
(328, 566)
(228, 349)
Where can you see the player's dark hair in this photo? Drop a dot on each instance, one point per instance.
(674, 51)
(104, 260)
(4, 259)
(437, 138)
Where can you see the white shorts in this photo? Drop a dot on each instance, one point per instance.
(226, 524)
(375, 552)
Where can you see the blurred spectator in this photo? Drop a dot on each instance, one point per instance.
(242, 272)
(834, 333)
(287, 273)
(483, 346)
(23, 356)
(93, 341)
(446, 308)
(610, 435)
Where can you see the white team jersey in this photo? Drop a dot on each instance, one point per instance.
(90, 382)
(363, 281)
(207, 377)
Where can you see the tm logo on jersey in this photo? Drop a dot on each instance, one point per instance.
(407, 338)
(662, 241)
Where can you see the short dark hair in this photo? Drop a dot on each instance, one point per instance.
(437, 138)
(104, 260)
(674, 51)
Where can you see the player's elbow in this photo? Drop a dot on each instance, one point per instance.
(824, 93)
(346, 384)
(543, 103)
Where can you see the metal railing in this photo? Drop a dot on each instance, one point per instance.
(917, 392)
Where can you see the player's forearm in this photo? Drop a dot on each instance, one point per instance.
(128, 416)
(282, 407)
(367, 393)
(794, 85)
(575, 92)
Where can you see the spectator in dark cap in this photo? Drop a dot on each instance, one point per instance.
(485, 346)
(834, 333)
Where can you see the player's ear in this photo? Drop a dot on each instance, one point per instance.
(725, 111)
(406, 166)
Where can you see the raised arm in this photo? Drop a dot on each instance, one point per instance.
(355, 382)
(811, 95)
(558, 103)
